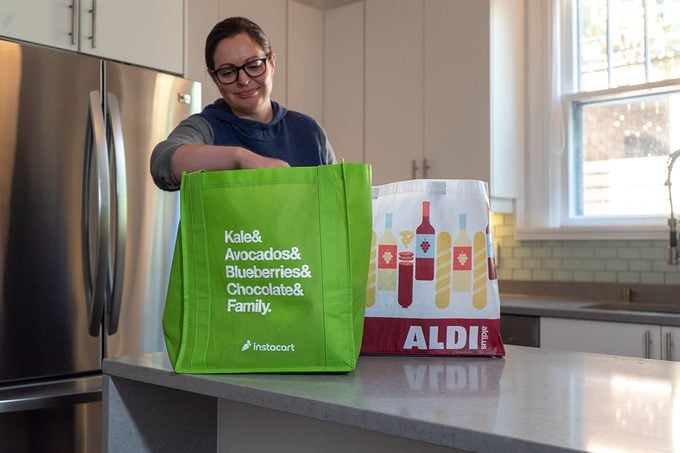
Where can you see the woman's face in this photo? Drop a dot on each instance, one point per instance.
(248, 97)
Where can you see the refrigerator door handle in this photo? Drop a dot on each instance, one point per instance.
(96, 150)
(120, 208)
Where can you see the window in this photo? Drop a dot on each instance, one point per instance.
(615, 85)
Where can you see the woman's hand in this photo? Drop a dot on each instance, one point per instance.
(249, 159)
(210, 157)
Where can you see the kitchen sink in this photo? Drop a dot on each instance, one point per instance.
(635, 306)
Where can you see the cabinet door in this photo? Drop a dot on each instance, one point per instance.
(343, 115)
(305, 59)
(457, 81)
(47, 22)
(148, 33)
(670, 343)
(507, 98)
(201, 17)
(618, 338)
(394, 87)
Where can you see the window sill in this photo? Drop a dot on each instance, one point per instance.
(599, 233)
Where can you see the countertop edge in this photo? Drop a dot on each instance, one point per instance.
(390, 424)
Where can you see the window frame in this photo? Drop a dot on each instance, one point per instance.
(545, 211)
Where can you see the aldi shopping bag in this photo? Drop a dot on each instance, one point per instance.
(432, 285)
(270, 268)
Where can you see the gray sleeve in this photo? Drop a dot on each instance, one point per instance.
(329, 154)
(193, 130)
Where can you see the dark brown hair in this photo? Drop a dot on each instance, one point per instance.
(229, 28)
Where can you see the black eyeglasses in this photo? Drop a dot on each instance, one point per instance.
(229, 74)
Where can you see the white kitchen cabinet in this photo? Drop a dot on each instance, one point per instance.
(201, 17)
(394, 87)
(670, 343)
(148, 33)
(507, 99)
(48, 22)
(426, 116)
(457, 90)
(343, 96)
(617, 338)
(474, 93)
(305, 59)
(441, 93)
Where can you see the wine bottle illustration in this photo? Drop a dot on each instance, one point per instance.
(442, 295)
(479, 272)
(462, 258)
(370, 284)
(490, 255)
(425, 246)
(387, 257)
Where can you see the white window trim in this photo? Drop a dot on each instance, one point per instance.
(542, 214)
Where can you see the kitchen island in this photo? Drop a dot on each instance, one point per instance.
(530, 400)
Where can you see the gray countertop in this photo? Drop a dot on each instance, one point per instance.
(531, 400)
(531, 305)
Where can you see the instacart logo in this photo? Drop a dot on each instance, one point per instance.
(267, 347)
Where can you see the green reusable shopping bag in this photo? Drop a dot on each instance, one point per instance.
(269, 271)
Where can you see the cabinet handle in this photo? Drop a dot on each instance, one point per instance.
(414, 169)
(74, 21)
(94, 24)
(426, 167)
(648, 342)
(669, 346)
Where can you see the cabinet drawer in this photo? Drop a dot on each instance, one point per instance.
(604, 337)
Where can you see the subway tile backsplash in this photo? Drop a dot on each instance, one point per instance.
(633, 262)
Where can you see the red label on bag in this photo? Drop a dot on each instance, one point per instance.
(432, 336)
(387, 257)
(462, 258)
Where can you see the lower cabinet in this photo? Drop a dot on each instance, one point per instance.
(617, 338)
(521, 330)
(670, 343)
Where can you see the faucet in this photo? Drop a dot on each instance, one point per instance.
(672, 253)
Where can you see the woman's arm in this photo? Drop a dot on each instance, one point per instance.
(192, 157)
(189, 148)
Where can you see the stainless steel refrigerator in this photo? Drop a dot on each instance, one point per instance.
(86, 238)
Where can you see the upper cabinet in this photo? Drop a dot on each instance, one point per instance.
(49, 22)
(507, 99)
(457, 94)
(438, 84)
(394, 90)
(148, 33)
(305, 59)
(343, 71)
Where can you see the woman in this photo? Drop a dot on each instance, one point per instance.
(245, 128)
